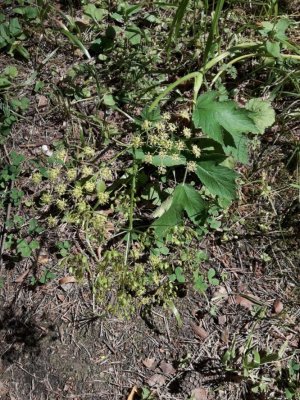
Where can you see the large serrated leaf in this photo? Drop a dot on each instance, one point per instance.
(184, 198)
(261, 113)
(215, 117)
(218, 179)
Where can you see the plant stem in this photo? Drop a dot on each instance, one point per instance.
(131, 210)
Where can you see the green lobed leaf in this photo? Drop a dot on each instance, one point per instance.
(262, 113)
(273, 48)
(215, 117)
(218, 179)
(184, 198)
(94, 12)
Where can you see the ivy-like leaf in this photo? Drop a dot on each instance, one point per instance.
(215, 117)
(184, 198)
(219, 180)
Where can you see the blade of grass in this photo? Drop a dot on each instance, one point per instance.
(213, 30)
(176, 23)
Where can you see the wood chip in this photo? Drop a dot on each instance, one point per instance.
(199, 394)
(277, 306)
(133, 392)
(67, 279)
(199, 331)
(167, 368)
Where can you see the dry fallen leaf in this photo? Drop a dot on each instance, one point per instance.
(3, 389)
(220, 294)
(20, 278)
(67, 279)
(42, 101)
(150, 363)
(156, 380)
(199, 331)
(225, 335)
(133, 392)
(61, 297)
(167, 368)
(222, 319)
(243, 302)
(277, 306)
(199, 394)
(43, 259)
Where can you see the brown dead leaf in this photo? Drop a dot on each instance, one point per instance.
(67, 279)
(220, 294)
(61, 297)
(42, 101)
(199, 394)
(3, 389)
(21, 278)
(167, 368)
(225, 335)
(150, 363)
(133, 392)
(199, 331)
(243, 302)
(277, 306)
(43, 259)
(222, 319)
(156, 380)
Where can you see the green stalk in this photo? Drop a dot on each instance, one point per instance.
(213, 30)
(237, 59)
(169, 89)
(131, 211)
(192, 75)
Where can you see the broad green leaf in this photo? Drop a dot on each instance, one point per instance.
(215, 117)
(15, 27)
(152, 116)
(199, 284)
(4, 83)
(211, 276)
(262, 113)
(184, 198)
(108, 100)
(92, 11)
(238, 149)
(11, 71)
(273, 48)
(133, 34)
(281, 27)
(219, 180)
(179, 275)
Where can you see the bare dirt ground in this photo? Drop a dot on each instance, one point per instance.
(54, 347)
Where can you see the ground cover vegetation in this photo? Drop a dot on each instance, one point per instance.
(136, 138)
